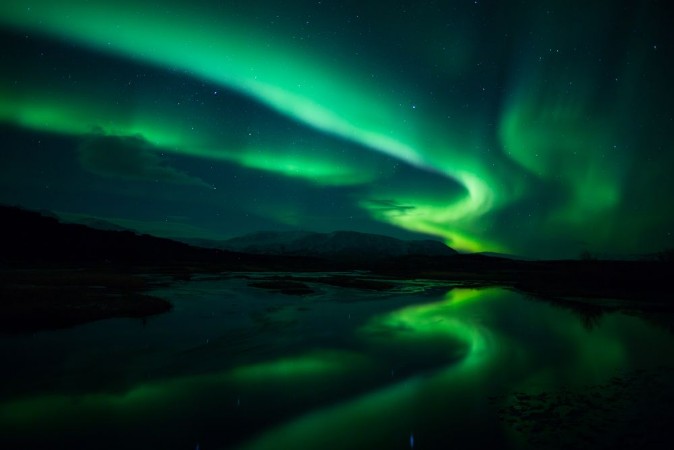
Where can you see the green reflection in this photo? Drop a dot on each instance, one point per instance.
(156, 398)
(420, 322)
(476, 343)
(313, 365)
(509, 344)
(385, 417)
(152, 398)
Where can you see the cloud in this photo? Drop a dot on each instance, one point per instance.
(383, 205)
(130, 157)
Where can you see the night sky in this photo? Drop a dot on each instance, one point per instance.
(539, 128)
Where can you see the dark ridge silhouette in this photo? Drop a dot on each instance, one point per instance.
(32, 238)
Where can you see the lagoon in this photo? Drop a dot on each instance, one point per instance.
(423, 365)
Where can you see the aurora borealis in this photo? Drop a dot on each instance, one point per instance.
(535, 128)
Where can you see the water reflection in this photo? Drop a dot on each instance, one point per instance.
(395, 370)
(450, 334)
(589, 313)
(490, 342)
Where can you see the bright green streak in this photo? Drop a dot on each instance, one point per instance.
(307, 164)
(296, 81)
(431, 215)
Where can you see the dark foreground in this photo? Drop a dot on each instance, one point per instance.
(276, 352)
(332, 360)
(35, 299)
(47, 297)
(54, 274)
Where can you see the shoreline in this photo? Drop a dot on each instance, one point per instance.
(52, 297)
(44, 299)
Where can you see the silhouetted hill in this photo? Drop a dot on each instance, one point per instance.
(98, 224)
(32, 238)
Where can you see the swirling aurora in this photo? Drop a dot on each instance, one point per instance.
(539, 129)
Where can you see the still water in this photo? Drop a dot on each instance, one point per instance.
(422, 366)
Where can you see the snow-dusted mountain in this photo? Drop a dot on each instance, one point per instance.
(343, 244)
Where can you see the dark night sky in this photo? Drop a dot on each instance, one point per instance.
(540, 128)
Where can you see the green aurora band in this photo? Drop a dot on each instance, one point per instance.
(547, 133)
(241, 58)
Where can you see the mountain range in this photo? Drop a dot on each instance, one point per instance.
(44, 236)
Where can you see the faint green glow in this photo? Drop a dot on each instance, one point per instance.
(554, 141)
(78, 116)
(325, 366)
(135, 402)
(586, 356)
(312, 365)
(562, 122)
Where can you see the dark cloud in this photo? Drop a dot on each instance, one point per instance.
(389, 205)
(130, 157)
